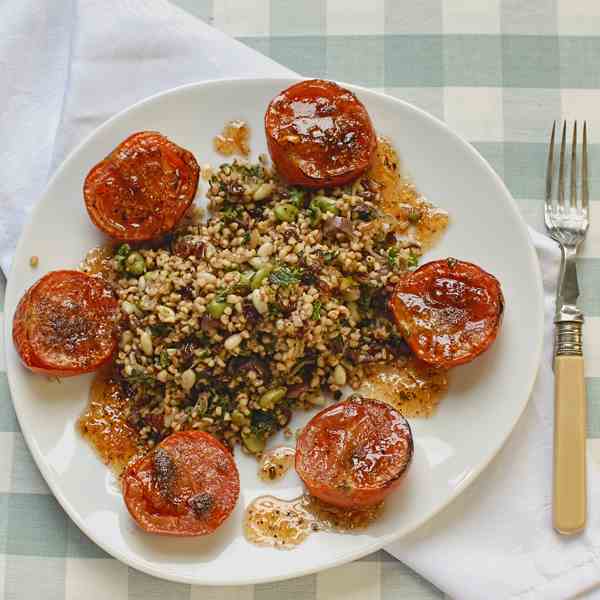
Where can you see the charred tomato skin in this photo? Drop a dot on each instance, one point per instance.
(354, 453)
(142, 189)
(187, 486)
(449, 311)
(65, 324)
(319, 134)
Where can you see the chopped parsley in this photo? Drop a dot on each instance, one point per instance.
(251, 170)
(139, 377)
(226, 403)
(231, 213)
(316, 312)
(329, 257)
(163, 360)
(202, 338)
(221, 295)
(121, 255)
(297, 197)
(274, 310)
(314, 213)
(263, 423)
(412, 260)
(160, 329)
(365, 213)
(392, 257)
(286, 276)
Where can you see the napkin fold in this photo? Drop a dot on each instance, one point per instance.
(68, 65)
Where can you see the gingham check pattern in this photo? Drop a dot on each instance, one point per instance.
(499, 72)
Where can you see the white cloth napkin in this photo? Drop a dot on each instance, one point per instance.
(496, 539)
(69, 65)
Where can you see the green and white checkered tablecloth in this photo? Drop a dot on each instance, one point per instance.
(499, 72)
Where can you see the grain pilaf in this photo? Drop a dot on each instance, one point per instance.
(276, 302)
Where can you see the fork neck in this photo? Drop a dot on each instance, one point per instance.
(569, 252)
(568, 287)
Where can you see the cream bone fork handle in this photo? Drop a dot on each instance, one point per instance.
(567, 222)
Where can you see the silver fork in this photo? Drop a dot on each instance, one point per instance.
(568, 223)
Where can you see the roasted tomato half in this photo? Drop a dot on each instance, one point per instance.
(319, 134)
(65, 324)
(449, 311)
(142, 189)
(352, 454)
(188, 485)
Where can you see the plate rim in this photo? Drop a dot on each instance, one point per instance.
(378, 543)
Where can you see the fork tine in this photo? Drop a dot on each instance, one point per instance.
(585, 192)
(550, 168)
(561, 169)
(574, 167)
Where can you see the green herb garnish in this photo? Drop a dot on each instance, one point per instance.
(221, 295)
(316, 311)
(251, 170)
(262, 422)
(286, 276)
(392, 257)
(139, 377)
(202, 338)
(314, 212)
(365, 213)
(121, 255)
(274, 310)
(163, 360)
(231, 213)
(412, 260)
(297, 197)
(329, 257)
(160, 329)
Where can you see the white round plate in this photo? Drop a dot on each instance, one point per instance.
(485, 399)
